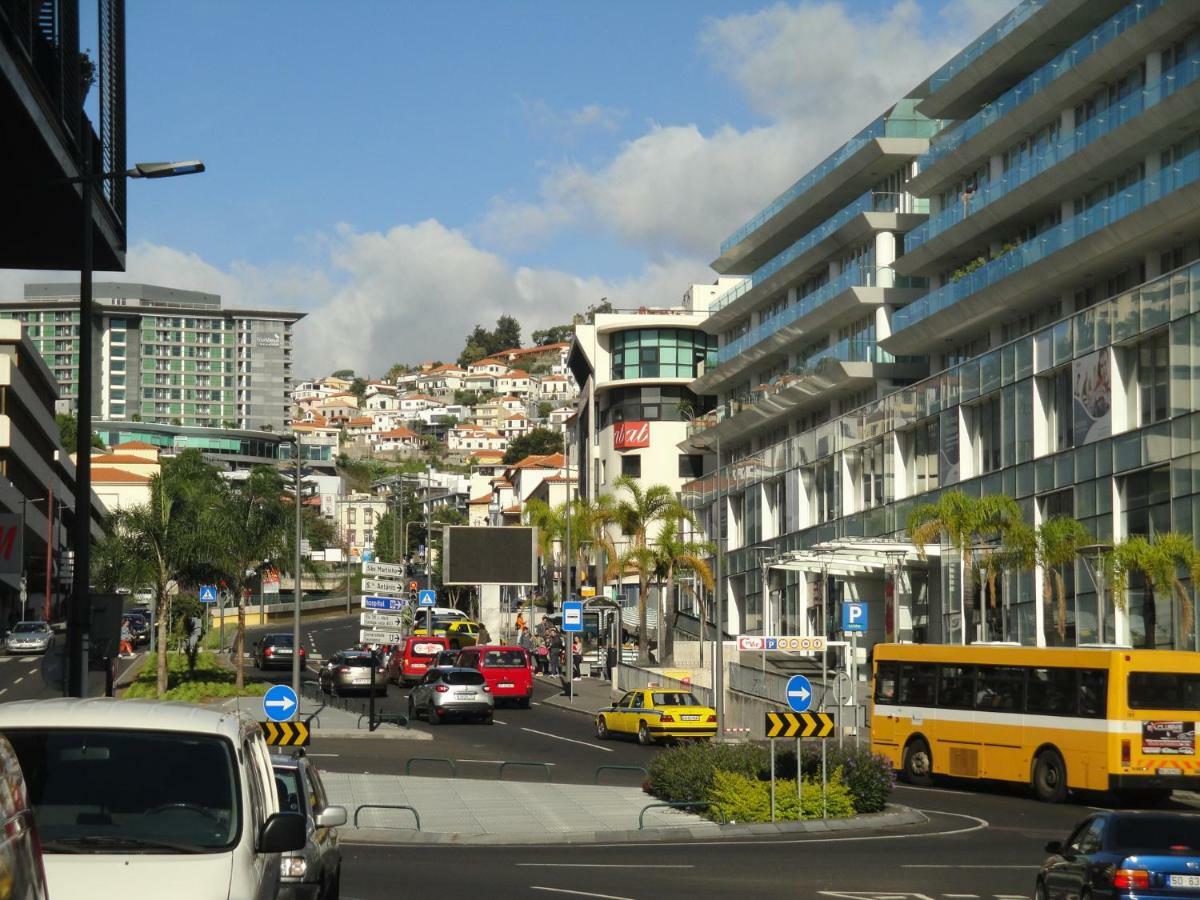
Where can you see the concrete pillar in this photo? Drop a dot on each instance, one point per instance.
(885, 256)
(489, 609)
(996, 167)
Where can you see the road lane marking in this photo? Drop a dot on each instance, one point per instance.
(939, 866)
(18, 680)
(33, 670)
(497, 762)
(320, 754)
(568, 740)
(3, 690)
(963, 896)
(606, 866)
(498, 722)
(553, 890)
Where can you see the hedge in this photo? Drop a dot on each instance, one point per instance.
(746, 799)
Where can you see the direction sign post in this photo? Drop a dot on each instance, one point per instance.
(572, 615)
(854, 623)
(391, 571)
(382, 586)
(379, 636)
(799, 693)
(280, 703)
(383, 621)
(384, 603)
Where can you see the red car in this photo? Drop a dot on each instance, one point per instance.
(507, 670)
(413, 659)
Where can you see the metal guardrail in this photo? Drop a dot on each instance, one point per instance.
(380, 718)
(678, 804)
(544, 766)
(411, 809)
(437, 759)
(600, 769)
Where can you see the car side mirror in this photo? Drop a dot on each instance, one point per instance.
(331, 817)
(283, 832)
(1054, 846)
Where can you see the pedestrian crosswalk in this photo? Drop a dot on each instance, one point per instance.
(22, 659)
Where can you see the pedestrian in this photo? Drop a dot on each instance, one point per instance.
(126, 648)
(556, 651)
(524, 640)
(542, 626)
(577, 657)
(541, 657)
(520, 621)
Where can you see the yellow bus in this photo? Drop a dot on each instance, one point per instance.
(1103, 719)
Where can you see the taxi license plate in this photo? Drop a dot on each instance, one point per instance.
(362, 680)
(1172, 771)
(283, 652)
(506, 684)
(1184, 880)
(690, 718)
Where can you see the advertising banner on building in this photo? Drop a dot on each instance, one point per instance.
(1092, 398)
(631, 435)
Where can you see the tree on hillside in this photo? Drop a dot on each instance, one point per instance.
(358, 387)
(555, 334)
(481, 342)
(397, 370)
(343, 373)
(537, 442)
(593, 310)
(68, 431)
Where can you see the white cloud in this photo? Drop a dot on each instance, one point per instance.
(567, 126)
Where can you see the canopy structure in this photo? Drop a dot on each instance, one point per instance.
(851, 557)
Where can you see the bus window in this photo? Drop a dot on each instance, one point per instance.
(1051, 692)
(885, 682)
(1000, 688)
(956, 686)
(917, 681)
(1093, 693)
(1163, 690)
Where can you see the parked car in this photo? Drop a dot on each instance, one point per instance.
(176, 798)
(1124, 854)
(353, 670)
(315, 872)
(657, 714)
(22, 875)
(139, 626)
(29, 637)
(447, 692)
(275, 651)
(411, 661)
(507, 670)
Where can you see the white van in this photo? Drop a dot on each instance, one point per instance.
(134, 795)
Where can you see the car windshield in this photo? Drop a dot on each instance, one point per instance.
(471, 677)
(504, 659)
(1163, 690)
(364, 661)
(96, 790)
(29, 628)
(675, 698)
(287, 785)
(1158, 834)
(280, 640)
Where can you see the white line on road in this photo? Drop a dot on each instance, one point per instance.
(495, 762)
(963, 896)
(18, 680)
(33, 670)
(605, 866)
(568, 740)
(534, 887)
(320, 754)
(937, 866)
(3, 690)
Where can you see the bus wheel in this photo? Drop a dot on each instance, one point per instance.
(1050, 777)
(918, 763)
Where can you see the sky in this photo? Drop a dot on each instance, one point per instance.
(400, 170)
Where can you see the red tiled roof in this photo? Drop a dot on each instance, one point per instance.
(106, 475)
(135, 445)
(482, 498)
(120, 459)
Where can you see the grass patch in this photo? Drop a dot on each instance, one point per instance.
(210, 681)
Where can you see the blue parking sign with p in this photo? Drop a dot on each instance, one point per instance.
(854, 616)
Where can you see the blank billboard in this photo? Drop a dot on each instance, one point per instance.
(498, 555)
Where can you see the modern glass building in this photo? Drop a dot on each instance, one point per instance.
(166, 355)
(993, 288)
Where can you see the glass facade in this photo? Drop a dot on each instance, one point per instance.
(661, 353)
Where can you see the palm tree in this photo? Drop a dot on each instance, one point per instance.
(590, 520)
(250, 524)
(676, 554)
(1159, 559)
(1052, 545)
(966, 522)
(637, 514)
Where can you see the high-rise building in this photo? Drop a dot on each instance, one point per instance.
(993, 287)
(166, 355)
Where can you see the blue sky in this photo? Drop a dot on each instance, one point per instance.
(372, 161)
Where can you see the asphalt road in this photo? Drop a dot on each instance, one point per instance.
(39, 677)
(565, 740)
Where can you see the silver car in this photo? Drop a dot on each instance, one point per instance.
(29, 637)
(315, 872)
(350, 670)
(451, 691)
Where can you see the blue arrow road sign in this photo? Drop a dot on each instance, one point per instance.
(383, 603)
(279, 703)
(799, 693)
(426, 597)
(208, 593)
(854, 617)
(572, 616)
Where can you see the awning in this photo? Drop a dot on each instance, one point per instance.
(850, 557)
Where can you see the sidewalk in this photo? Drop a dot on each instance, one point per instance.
(591, 694)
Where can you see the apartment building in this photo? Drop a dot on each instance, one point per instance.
(165, 355)
(991, 288)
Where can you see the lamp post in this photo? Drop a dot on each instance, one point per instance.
(719, 654)
(1095, 569)
(79, 613)
(296, 593)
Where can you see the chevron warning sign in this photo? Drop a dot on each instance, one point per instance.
(799, 725)
(286, 734)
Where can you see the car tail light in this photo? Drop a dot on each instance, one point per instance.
(665, 717)
(1131, 879)
(342, 670)
(713, 717)
(268, 652)
(1125, 752)
(441, 688)
(486, 689)
(301, 651)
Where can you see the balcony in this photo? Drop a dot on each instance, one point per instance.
(976, 288)
(1115, 117)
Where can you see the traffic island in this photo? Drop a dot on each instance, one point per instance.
(330, 722)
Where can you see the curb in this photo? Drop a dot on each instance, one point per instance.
(363, 734)
(560, 701)
(894, 817)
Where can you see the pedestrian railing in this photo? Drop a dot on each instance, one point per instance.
(680, 804)
(434, 759)
(600, 769)
(504, 765)
(411, 809)
(380, 718)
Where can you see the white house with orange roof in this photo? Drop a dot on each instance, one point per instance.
(359, 426)
(444, 379)
(516, 382)
(555, 388)
(399, 438)
(381, 400)
(480, 382)
(412, 404)
(467, 437)
(121, 478)
(489, 365)
(514, 425)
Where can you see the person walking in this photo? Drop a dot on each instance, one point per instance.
(556, 651)
(520, 621)
(576, 657)
(126, 648)
(485, 636)
(524, 640)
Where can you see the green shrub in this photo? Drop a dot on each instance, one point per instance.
(685, 772)
(747, 799)
(210, 681)
(869, 777)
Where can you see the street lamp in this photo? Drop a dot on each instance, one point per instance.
(295, 442)
(719, 655)
(79, 613)
(1095, 570)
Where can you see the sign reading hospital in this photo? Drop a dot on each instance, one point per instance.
(631, 435)
(785, 643)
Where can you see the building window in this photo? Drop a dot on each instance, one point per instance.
(921, 467)
(988, 428)
(1059, 403)
(873, 475)
(691, 465)
(1152, 379)
(661, 353)
(631, 465)
(826, 504)
(352, 516)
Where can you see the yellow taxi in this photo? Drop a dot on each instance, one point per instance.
(657, 714)
(463, 633)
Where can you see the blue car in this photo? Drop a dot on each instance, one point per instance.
(1124, 854)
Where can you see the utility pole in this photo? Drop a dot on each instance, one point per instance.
(296, 593)
(428, 546)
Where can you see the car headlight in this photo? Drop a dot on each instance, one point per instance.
(293, 867)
